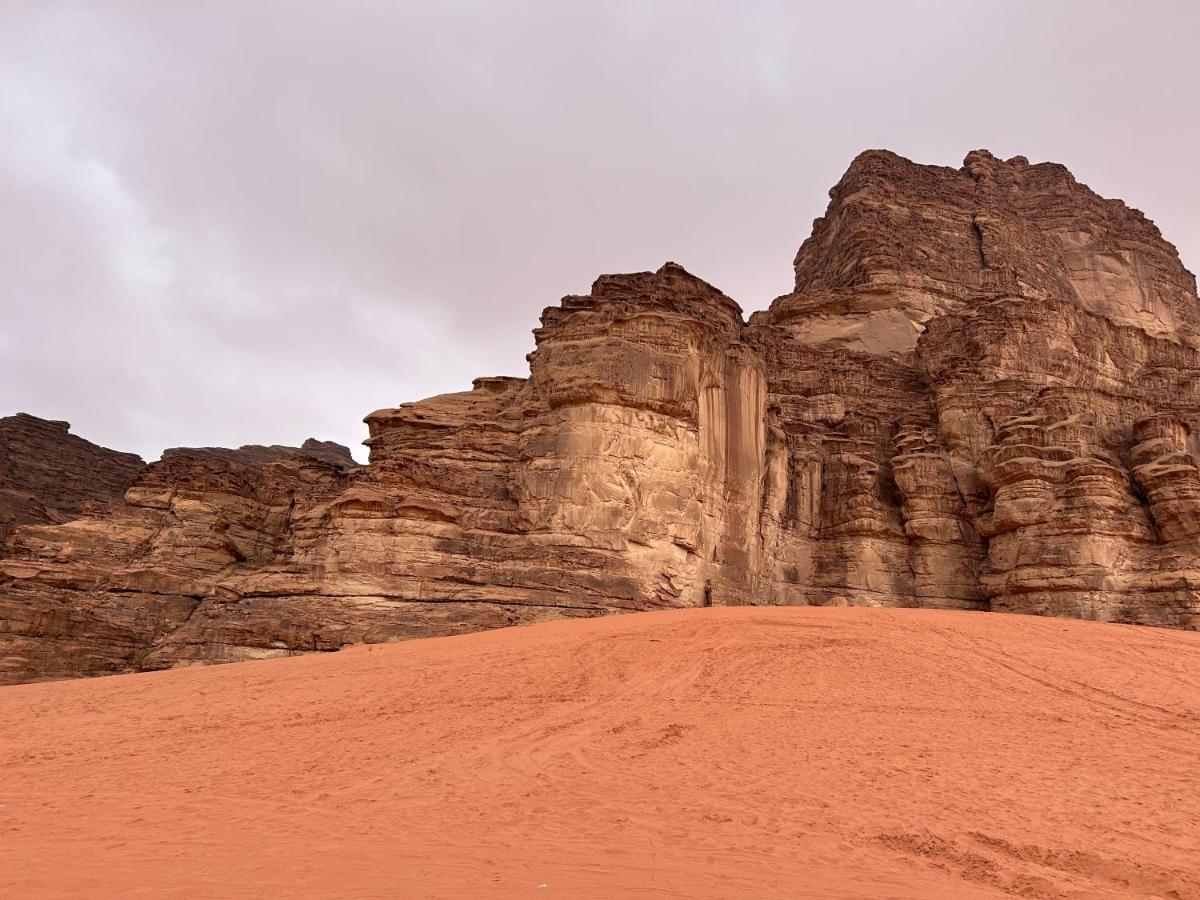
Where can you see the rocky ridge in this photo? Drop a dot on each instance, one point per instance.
(982, 393)
(48, 475)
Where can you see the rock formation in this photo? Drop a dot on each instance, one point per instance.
(48, 475)
(258, 455)
(982, 393)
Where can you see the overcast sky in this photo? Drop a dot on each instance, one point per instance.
(254, 222)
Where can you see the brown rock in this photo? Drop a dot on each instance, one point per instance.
(48, 475)
(258, 455)
(982, 393)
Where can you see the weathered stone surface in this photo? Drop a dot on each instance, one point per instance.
(100, 593)
(258, 455)
(48, 475)
(982, 393)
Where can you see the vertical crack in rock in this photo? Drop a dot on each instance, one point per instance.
(978, 232)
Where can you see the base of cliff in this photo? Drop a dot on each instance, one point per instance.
(749, 752)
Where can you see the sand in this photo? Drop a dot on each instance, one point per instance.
(752, 752)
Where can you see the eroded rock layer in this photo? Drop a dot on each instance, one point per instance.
(48, 475)
(982, 393)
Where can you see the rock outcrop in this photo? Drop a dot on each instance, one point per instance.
(48, 475)
(100, 593)
(981, 393)
(258, 455)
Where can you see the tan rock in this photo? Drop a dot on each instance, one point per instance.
(982, 393)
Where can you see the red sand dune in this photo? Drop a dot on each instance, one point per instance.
(755, 752)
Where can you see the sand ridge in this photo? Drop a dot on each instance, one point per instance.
(724, 752)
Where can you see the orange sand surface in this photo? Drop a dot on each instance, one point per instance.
(750, 752)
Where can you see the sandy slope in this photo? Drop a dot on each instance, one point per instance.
(706, 753)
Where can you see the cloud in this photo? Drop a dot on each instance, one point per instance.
(229, 223)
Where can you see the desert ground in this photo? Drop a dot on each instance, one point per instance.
(725, 752)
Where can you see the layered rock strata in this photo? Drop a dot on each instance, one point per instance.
(48, 475)
(981, 393)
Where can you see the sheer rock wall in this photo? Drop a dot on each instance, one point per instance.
(981, 394)
(48, 475)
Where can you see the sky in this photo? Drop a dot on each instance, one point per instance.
(226, 222)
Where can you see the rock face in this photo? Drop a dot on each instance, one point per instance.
(48, 475)
(100, 593)
(982, 393)
(258, 455)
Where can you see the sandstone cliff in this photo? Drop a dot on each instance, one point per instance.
(48, 475)
(982, 393)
